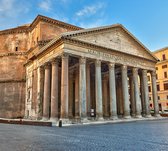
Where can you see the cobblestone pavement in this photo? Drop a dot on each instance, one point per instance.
(133, 136)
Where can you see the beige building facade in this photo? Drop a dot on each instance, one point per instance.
(161, 79)
(88, 74)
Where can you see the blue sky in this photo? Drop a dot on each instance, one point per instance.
(146, 19)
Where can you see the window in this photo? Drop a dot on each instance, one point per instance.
(156, 76)
(149, 98)
(37, 39)
(158, 97)
(164, 66)
(158, 87)
(148, 78)
(165, 86)
(149, 88)
(150, 105)
(167, 97)
(165, 74)
(156, 68)
(164, 57)
(16, 49)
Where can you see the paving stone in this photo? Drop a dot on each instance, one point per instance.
(133, 136)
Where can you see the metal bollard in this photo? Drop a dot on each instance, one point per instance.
(60, 123)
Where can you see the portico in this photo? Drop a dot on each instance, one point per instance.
(84, 71)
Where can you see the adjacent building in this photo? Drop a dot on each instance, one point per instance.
(52, 70)
(162, 79)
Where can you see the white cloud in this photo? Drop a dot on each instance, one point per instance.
(6, 5)
(90, 10)
(12, 8)
(45, 5)
(97, 23)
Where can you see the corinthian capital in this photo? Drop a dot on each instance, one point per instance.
(65, 56)
(82, 60)
(153, 73)
(124, 67)
(98, 63)
(135, 70)
(111, 66)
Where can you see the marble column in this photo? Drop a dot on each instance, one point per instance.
(142, 95)
(146, 93)
(132, 96)
(40, 91)
(105, 96)
(54, 91)
(82, 88)
(98, 83)
(120, 106)
(64, 88)
(88, 90)
(125, 92)
(136, 93)
(47, 88)
(112, 89)
(71, 94)
(154, 94)
(77, 93)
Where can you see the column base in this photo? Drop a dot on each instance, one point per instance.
(148, 116)
(45, 119)
(133, 115)
(114, 117)
(143, 115)
(99, 119)
(52, 119)
(84, 120)
(138, 116)
(157, 115)
(127, 117)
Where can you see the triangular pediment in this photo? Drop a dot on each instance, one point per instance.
(113, 37)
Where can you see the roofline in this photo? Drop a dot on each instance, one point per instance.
(19, 29)
(159, 50)
(62, 38)
(44, 18)
(24, 28)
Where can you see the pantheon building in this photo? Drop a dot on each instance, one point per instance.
(51, 70)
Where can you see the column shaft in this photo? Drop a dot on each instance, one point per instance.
(40, 90)
(98, 83)
(54, 91)
(71, 96)
(64, 87)
(82, 87)
(142, 96)
(132, 96)
(125, 92)
(136, 93)
(105, 97)
(88, 90)
(112, 86)
(154, 94)
(146, 93)
(47, 88)
(77, 94)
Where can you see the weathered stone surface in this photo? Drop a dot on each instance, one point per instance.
(14, 45)
(115, 38)
(12, 99)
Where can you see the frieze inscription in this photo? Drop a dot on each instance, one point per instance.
(123, 59)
